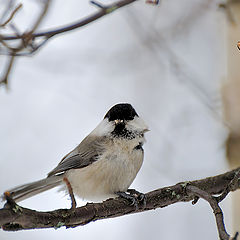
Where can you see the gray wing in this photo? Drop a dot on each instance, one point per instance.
(83, 155)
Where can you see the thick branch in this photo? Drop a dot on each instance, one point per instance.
(17, 218)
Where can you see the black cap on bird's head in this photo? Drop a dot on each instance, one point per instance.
(121, 111)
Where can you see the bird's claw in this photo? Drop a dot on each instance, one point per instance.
(140, 196)
(134, 197)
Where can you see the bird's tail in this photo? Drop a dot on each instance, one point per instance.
(30, 189)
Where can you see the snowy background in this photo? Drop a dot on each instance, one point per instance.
(167, 61)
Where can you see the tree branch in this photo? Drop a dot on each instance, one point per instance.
(26, 40)
(13, 217)
(11, 16)
(215, 207)
(29, 43)
(103, 10)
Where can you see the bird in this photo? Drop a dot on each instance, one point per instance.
(102, 166)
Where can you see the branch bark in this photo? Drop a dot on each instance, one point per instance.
(14, 217)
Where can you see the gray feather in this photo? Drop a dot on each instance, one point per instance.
(87, 152)
(28, 190)
(83, 155)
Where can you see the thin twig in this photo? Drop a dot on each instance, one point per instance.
(26, 41)
(12, 15)
(8, 68)
(97, 4)
(41, 16)
(28, 38)
(10, 4)
(80, 23)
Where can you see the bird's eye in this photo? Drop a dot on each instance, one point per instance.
(139, 146)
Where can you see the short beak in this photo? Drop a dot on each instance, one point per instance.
(146, 130)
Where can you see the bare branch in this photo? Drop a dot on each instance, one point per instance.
(12, 15)
(80, 23)
(223, 235)
(8, 9)
(8, 68)
(13, 217)
(28, 39)
(41, 16)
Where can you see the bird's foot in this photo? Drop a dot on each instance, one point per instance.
(140, 196)
(134, 197)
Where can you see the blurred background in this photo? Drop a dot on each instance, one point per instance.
(171, 61)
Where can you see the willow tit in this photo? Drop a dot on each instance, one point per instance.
(103, 165)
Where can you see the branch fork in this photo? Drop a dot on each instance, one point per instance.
(14, 217)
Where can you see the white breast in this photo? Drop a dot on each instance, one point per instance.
(114, 171)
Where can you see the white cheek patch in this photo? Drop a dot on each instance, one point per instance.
(137, 124)
(104, 128)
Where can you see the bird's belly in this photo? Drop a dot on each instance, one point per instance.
(108, 175)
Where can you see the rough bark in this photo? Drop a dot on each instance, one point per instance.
(14, 217)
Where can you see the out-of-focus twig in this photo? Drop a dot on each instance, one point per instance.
(159, 45)
(41, 16)
(8, 68)
(26, 39)
(12, 15)
(8, 8)
(82, 22)
(29, 43)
